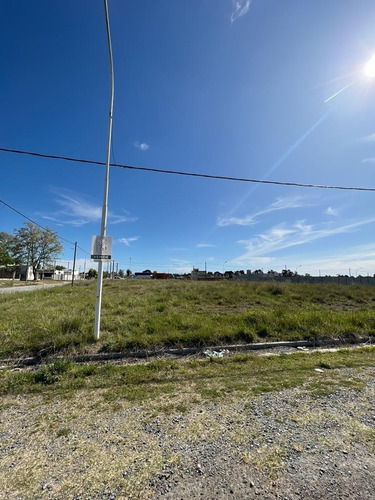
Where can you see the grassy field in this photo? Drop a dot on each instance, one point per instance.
(152, 314)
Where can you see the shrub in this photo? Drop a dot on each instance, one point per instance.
(49, 374)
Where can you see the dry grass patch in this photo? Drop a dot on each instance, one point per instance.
(98, 450)
(268, 459)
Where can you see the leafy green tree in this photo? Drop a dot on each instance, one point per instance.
(6, 257)
(93, 273)
(287, 273)
(33, 245)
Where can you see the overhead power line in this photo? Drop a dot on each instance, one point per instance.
(189, 174)
(37, 224)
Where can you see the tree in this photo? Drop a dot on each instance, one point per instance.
(128, 272)
(6, 257)
(93, 273)
(287, 273)
(60, 268)
(33, 245)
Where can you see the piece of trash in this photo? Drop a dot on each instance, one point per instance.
(215, 354)
(319, 370)
(302, 348)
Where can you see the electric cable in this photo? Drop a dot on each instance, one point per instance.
(39, 225)
(189, 174)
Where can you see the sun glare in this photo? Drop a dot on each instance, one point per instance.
(370, 67)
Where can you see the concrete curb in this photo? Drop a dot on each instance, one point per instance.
(186, 351)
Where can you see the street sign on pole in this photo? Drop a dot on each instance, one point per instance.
(101, 248)
(103, 232)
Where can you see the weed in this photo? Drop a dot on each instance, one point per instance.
(49, 374)
(326, 366)
(63, 432)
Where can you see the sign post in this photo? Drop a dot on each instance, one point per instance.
(103, 255)
(101, 248)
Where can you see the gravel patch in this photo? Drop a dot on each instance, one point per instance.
(288, 445)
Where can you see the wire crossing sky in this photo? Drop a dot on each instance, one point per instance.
(280, 95)
(207, 176)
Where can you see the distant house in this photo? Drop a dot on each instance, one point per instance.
(7, 272)
(161, 276)
(144, 275)
(196, 274)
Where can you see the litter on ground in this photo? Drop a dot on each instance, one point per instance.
(215, 354)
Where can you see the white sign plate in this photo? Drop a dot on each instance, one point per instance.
(101, 248)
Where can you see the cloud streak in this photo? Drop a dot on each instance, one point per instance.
(127, 241)
(331, 211)
(282, 236)
(359, 259)
(368, 138)
(251, 219)
(77, 211)
(241, 7)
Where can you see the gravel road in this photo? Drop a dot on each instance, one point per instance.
(287, 445)
(291, 445)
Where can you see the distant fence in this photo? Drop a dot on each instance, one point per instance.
(341, 280)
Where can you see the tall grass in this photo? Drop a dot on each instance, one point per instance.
(154, 314)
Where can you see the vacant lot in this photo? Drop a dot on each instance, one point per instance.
(287, 426)
(153, 314)
(242, 427)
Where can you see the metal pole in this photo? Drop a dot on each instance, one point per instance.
(99, 287)
(74, 262)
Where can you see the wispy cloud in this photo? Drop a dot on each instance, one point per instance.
(127, 241)
(282, 236)
(180, 262)
(331, 211)
(368, 160)
(141, 145)
(77, 211)
(241, 7)
(205, 245)
(368, 138)
(249, 220)
(181, 265)
(359, 259)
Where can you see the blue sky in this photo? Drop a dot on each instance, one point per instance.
(221, 87)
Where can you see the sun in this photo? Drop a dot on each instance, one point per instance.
(370, 67)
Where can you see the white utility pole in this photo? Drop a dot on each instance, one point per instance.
(103, 232)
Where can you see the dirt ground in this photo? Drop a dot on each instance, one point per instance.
(293, 444)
